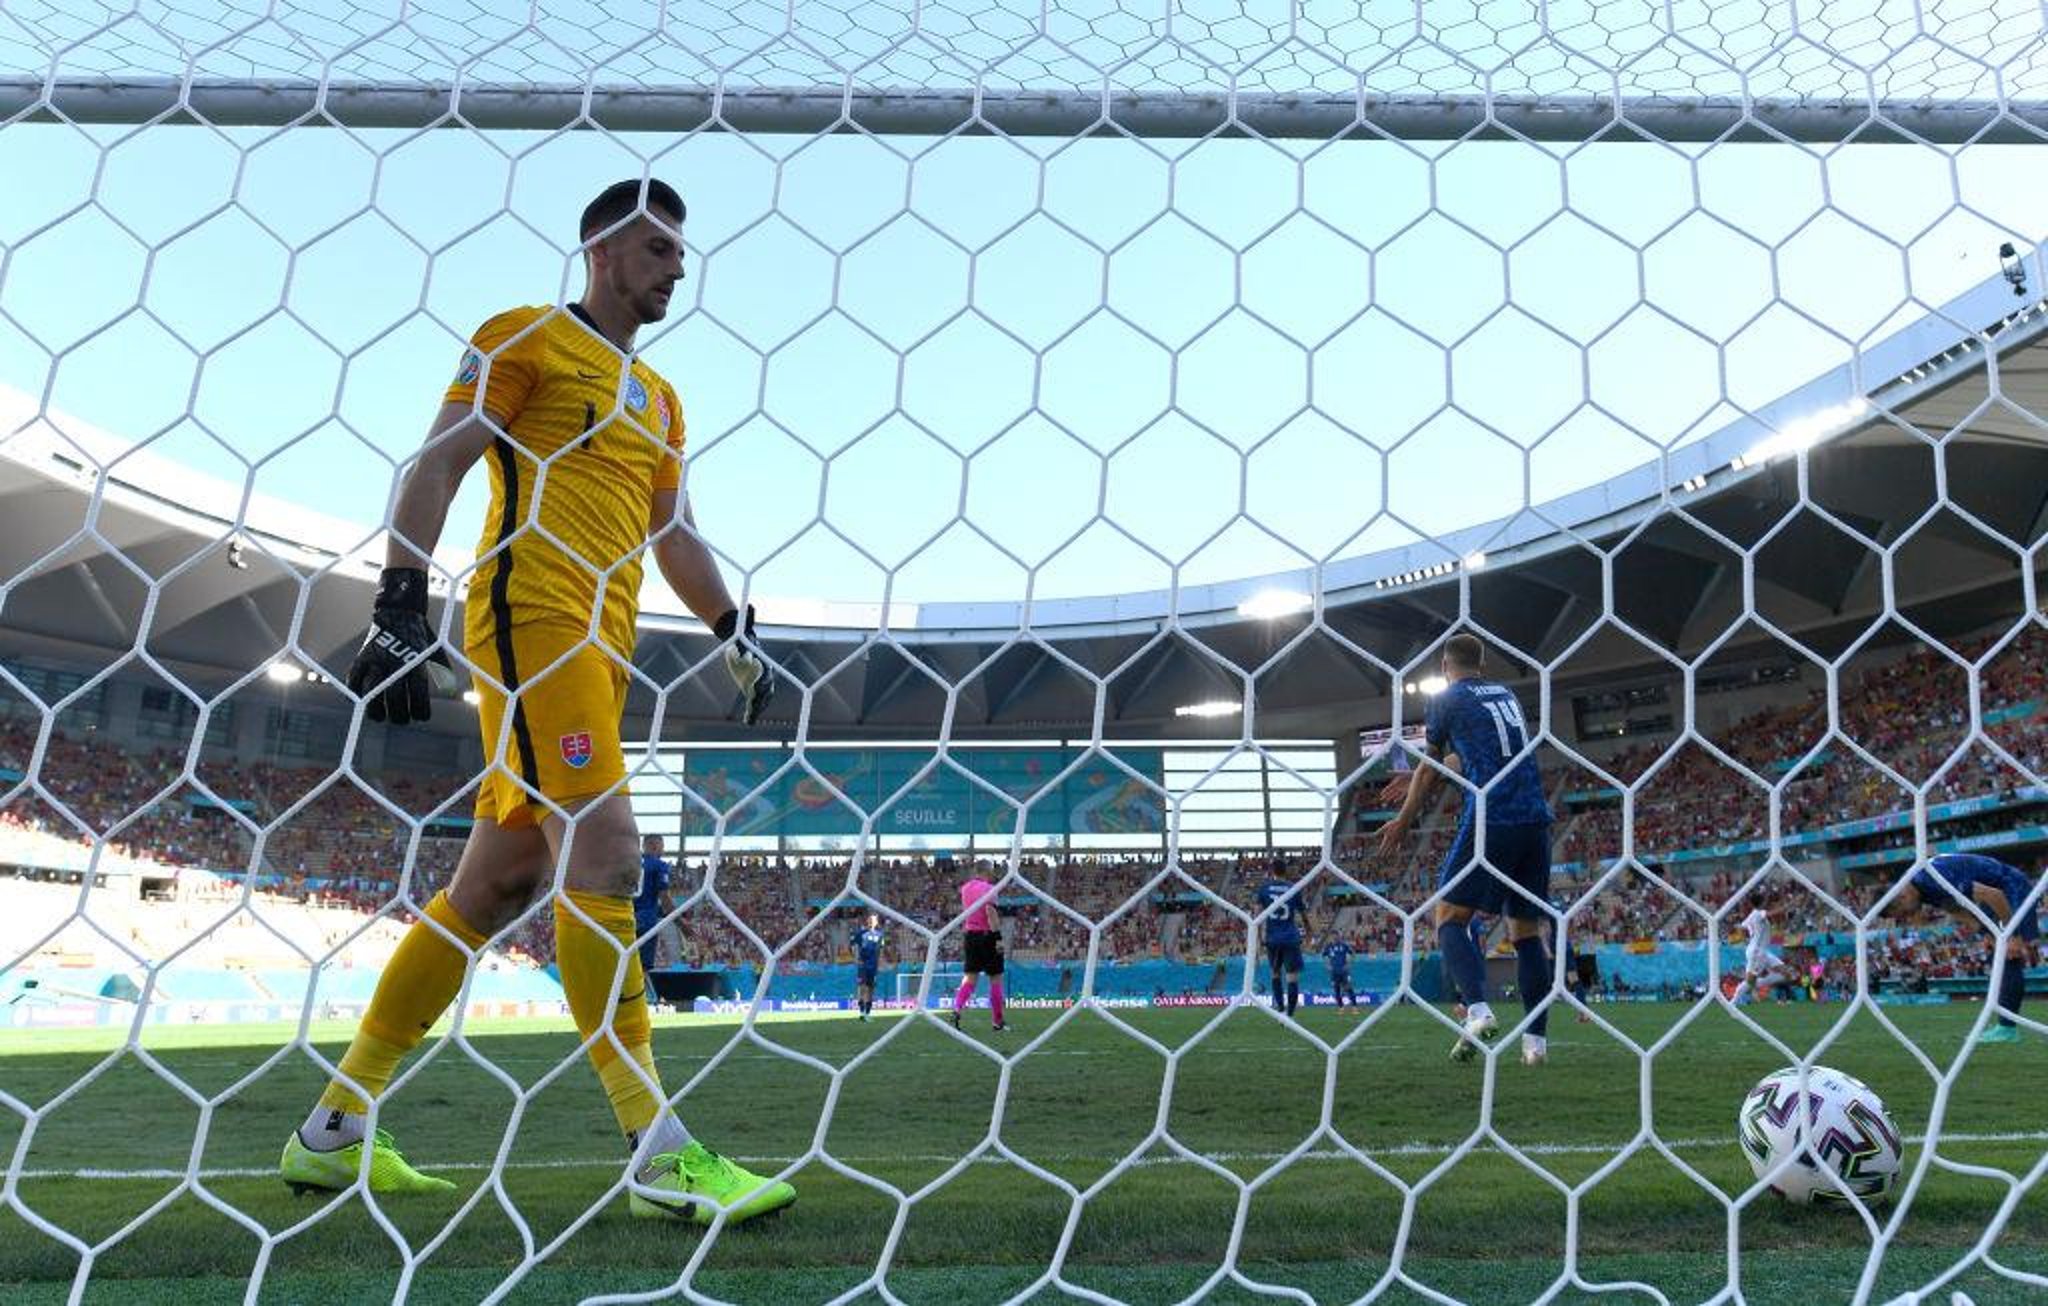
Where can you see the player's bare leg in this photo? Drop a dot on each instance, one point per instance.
(1745, 989)
(1761, 983)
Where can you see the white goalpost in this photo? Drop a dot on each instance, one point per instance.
(1187, 304)
(945, 977)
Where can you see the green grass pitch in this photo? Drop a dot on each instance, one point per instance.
(1252, 1093)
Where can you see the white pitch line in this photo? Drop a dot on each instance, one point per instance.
(1326, 1154)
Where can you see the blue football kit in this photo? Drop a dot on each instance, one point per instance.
(867, 952)
(1947, 880)
(1283, 924)
(1482, 723)
(655, 875)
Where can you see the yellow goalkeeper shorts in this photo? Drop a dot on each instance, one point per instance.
(554, 738)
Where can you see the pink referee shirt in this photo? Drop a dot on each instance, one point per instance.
(976, 895)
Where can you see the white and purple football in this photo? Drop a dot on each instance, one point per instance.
(1842, 1144)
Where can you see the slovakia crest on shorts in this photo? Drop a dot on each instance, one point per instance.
(472, 365)
(576, 748)
(636, 395)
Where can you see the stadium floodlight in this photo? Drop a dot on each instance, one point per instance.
(283, 673)
(1475, 560)
(1432, 685)
(471, 697)
(1213, 707)
(1272, 604)
(2013, 270)
(1802, 433)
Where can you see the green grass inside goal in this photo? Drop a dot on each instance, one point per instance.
(1249, 1097)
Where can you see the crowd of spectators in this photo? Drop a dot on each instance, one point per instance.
(342, 839)
(1913, 958)
(1910, 714)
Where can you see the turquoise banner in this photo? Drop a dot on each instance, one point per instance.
(830, 791)
(2016, 712)
(2024, 834)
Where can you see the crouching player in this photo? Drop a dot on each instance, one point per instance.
(1950, 882)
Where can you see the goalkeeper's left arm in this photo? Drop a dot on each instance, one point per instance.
(690, 570)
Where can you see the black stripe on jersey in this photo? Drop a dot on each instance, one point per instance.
(501, 611)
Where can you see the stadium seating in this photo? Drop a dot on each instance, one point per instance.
(341, 854)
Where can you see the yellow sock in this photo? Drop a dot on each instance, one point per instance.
(588, 960)
(632, 1102)
(423, 977)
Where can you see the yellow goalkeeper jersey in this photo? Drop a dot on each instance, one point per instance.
(586, 444)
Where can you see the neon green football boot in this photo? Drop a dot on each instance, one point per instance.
(307, 1171)
(2000, 1034)
(697, 1171)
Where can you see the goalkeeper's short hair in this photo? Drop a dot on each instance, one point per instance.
(621, 200)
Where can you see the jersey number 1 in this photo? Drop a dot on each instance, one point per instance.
(1505, 716)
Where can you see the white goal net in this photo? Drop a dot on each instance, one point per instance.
(1111, 412)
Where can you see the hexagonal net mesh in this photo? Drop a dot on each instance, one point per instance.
(1113, 413)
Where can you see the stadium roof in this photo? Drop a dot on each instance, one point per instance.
(1970, 379)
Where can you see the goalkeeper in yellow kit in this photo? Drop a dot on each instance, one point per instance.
(584, 445)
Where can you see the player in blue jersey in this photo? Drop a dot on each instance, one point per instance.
(1950, 882)
(654, 901)
(1281, 904)
(1477, 727)
(867, 957)
(1337, 956)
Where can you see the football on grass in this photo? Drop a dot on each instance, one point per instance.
(1824, 1138)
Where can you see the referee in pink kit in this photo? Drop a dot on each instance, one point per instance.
(984, 948)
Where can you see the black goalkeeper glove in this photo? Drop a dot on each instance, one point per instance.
(397, 647)
(744, 663)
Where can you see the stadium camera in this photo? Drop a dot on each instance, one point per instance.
(2015, 271)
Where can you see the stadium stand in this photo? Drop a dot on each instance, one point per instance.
(327, 857)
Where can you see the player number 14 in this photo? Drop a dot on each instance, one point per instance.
(1507, 714)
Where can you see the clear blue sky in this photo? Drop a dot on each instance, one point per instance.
(804, 334)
